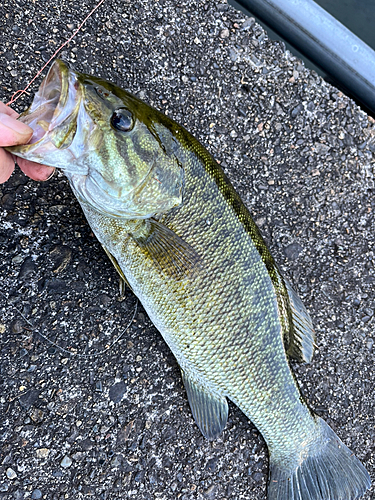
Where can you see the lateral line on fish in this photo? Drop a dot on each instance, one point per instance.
(34, 330)
(24, 91)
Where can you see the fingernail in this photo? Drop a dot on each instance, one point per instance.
(50, 175)
(15, 125)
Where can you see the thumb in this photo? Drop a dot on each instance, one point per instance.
(13, 132)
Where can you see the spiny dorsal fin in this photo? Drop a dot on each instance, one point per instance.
(169, 252)
(210, 411)
(302, 337)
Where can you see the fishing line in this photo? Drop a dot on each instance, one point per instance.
(24, 91)
(13, 99)
(97, 353)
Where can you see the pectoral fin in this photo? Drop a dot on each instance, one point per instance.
(302, 337)
(176, 258)
(210, 411)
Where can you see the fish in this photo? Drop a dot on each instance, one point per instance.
(181, 238)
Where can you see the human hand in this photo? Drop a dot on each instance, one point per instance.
(13, 132)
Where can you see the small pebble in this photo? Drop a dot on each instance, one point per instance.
(66, 462)
(297, 110)
(78, 456)
(29, 398)
(257, 476)
(117, 391)
(60, 256)
(248, 23)
(42, 452)
(36, 415)
(292, 251)
(212, 464)
(36, 494)
(17, 326)
(27, 269)
(11, 474)
(115, 462)
(211, 492)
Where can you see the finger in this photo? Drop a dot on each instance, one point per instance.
(13, 132)
(34, 170)
(6, 165)
(7, 110)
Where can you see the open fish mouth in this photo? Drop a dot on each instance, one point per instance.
(48, 102)
(52, 114)
(43, 108)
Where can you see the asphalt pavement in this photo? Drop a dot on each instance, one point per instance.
(91, 399)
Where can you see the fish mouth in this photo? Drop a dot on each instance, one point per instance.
(53, 108)
(46, 101)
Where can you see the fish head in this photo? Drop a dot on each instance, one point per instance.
(119, 154)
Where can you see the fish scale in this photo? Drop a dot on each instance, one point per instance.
(180, 236)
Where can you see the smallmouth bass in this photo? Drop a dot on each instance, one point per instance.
(181, 238)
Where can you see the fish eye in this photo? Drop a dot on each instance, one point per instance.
(122, 120)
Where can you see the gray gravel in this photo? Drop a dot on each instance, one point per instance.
(87, 415)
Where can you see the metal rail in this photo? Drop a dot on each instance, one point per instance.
(323, 40)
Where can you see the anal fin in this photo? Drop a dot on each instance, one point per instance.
(302, 337)
(210, 411)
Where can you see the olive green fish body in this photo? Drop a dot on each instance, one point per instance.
(223, 325)
(180, 236)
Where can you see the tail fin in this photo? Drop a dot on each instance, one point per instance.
(328, 471)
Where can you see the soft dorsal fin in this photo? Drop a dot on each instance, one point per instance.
(302, 336)
(210, 411)
(176, 258)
